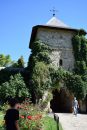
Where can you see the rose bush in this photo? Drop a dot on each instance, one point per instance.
(30, 116)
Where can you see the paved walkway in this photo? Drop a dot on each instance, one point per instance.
(71, 122)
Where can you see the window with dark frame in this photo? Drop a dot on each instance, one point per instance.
(60, 62)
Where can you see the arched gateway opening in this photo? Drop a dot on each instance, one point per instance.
(61, 102)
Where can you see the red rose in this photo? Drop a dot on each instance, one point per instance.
(29, 117)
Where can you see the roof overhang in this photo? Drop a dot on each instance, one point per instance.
(35, 28)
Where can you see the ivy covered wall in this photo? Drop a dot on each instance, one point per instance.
(79, 43)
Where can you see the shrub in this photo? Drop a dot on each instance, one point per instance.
(15, 87)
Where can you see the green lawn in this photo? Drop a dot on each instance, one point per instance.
(50, 124)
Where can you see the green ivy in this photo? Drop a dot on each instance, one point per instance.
(79, 43)
(38, 67)
(79, 83)
(72, 82)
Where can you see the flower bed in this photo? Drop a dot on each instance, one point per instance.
(31, 118)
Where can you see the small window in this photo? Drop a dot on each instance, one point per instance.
(60, 62)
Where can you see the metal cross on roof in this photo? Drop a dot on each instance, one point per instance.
(54, 11)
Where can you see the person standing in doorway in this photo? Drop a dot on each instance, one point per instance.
(12, 116)
(75, 106)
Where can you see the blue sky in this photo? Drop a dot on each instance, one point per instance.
(18, 16)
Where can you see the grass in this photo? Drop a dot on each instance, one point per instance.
(50, 124)
(1, 120)
(1, 115)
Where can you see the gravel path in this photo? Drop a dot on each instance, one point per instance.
(72, 122)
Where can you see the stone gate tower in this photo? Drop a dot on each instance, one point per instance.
(57, 36)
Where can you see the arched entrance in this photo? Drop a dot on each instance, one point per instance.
(61, 102)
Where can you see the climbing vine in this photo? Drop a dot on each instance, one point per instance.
(79, 43)
(38, 66)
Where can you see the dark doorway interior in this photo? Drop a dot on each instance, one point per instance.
(55, 102)
(61, 102)
(60, 62)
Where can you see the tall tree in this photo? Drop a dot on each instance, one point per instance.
(19, 64)
(5, 60)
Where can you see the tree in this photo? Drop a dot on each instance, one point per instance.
(19, 64)
(5, 61)
(15, 87)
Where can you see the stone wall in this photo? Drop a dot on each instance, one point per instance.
(82, 105)
(60, 43)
